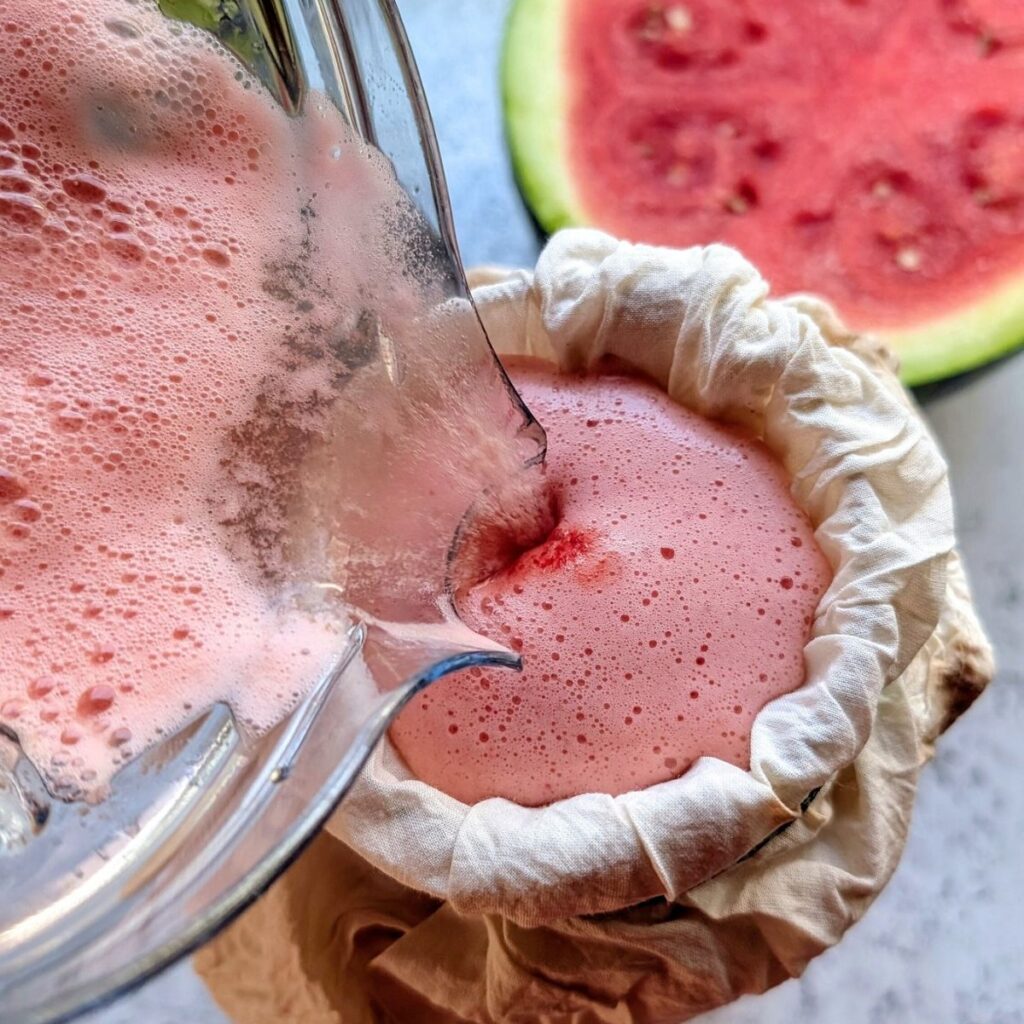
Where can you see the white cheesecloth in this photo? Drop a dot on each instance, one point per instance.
(664, 902)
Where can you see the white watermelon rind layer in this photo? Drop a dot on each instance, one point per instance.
(536, 99)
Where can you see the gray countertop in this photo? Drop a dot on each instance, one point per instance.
(945, 942)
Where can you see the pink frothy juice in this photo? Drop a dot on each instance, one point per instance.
(668, 606)
(189, 280)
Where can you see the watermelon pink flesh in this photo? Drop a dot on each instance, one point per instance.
(869, 150)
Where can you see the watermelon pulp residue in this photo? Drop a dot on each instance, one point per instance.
(869, 151)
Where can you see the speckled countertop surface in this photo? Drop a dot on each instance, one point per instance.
(945, 943)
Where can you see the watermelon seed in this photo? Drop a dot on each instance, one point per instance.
(908, 258)
(755, 32)
(768, 150)
(812, 222)
(678, 19)
(987, 43)
(742, 199)
(649, 29)
(677, 175)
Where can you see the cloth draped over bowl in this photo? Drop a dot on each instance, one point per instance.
(662, 903)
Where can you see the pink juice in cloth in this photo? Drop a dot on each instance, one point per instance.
(669, 604)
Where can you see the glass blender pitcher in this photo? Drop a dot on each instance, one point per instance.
(387, 418)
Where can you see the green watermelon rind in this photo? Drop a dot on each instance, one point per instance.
(535, 92)
(536, 108)
(965, 339)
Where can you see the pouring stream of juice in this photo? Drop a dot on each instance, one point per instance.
(246, 411)
(241, 407)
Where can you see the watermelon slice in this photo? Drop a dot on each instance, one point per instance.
(871, 151)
